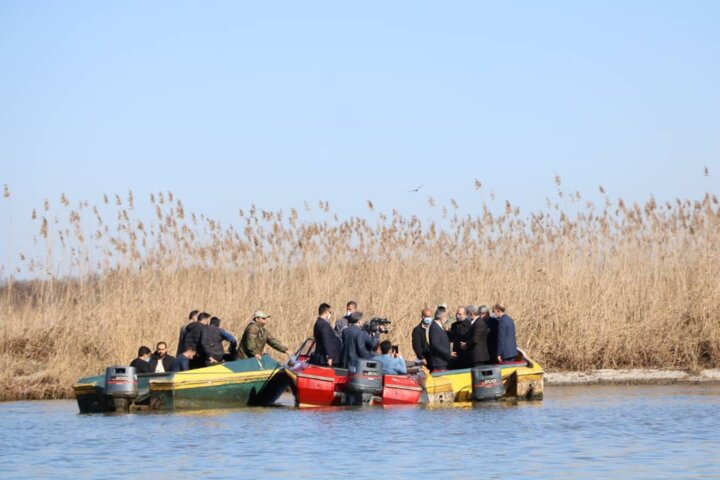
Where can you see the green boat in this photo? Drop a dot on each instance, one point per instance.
(233, 384)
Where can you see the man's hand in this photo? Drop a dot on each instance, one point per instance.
(424, 361)
(212, 360)
(453, 354)
(259, 357)
(463, 345)
(499, 359)
(329, 362)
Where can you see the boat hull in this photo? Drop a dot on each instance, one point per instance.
(228, 385)
(521, 381)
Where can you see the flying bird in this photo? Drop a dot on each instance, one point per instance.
(415, 190)
(707, 172)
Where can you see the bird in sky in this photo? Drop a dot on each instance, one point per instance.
(415, 190)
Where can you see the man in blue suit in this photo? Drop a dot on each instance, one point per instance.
(506, 346)
(356, 342)
(327, 344)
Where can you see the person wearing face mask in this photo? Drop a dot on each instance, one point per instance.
(327, 344)
(142, 362)
(342, 322)
(421, 336)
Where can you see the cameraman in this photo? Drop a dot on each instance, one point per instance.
(356, 342)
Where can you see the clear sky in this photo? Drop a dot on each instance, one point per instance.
(274, 103)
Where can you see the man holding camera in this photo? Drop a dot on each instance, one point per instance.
(393, 363)
(356, 342)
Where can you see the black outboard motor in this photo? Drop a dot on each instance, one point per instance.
(365, 381)
(487, 383)
(121, 386)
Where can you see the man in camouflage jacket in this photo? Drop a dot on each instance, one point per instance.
(256, 336)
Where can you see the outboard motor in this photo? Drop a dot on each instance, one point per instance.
(121, 386)
(487, 383)
(365, 381)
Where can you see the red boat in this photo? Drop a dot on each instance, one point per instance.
(316, 386)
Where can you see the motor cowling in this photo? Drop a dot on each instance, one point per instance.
(365, 381)
(487, 383)
(121, 385)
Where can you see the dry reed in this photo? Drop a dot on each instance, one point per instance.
(589, 286)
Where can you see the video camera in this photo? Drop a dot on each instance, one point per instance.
(377, 325)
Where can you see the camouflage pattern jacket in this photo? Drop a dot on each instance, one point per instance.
(254, 339)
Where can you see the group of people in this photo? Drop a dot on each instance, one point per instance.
(479, 336)
(200, 344)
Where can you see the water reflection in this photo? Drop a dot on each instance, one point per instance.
(576, 432)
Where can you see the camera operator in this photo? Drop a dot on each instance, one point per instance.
(356, 342)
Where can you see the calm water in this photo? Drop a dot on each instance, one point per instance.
(643, 432)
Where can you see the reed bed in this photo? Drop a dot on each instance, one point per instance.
(589, 286)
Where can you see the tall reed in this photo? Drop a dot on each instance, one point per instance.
(590, 286)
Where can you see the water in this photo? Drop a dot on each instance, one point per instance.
(605, 432)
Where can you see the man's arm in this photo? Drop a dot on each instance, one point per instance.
(275, 343)
(227, 336)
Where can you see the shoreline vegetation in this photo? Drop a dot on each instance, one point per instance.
(590, 286)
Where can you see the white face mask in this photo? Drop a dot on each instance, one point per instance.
(427, 320)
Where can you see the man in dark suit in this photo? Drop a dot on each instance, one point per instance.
(327, 344)
(506, 344)
(161, 361)
(439, 345)
(476, 348)
(458, 334)
(420, 336)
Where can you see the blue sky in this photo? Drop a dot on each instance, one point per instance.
(275, 103)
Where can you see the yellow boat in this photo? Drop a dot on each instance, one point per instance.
(522, 380)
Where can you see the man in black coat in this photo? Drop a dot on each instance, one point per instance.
(476, 348)
(458, 335)
(183, 331)
(211, 347)
(420, 336)
(193, 333)
(506, 344)
(356, 342)
(141, 363)
(439, 345)
(327, 343)
(161, 361)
